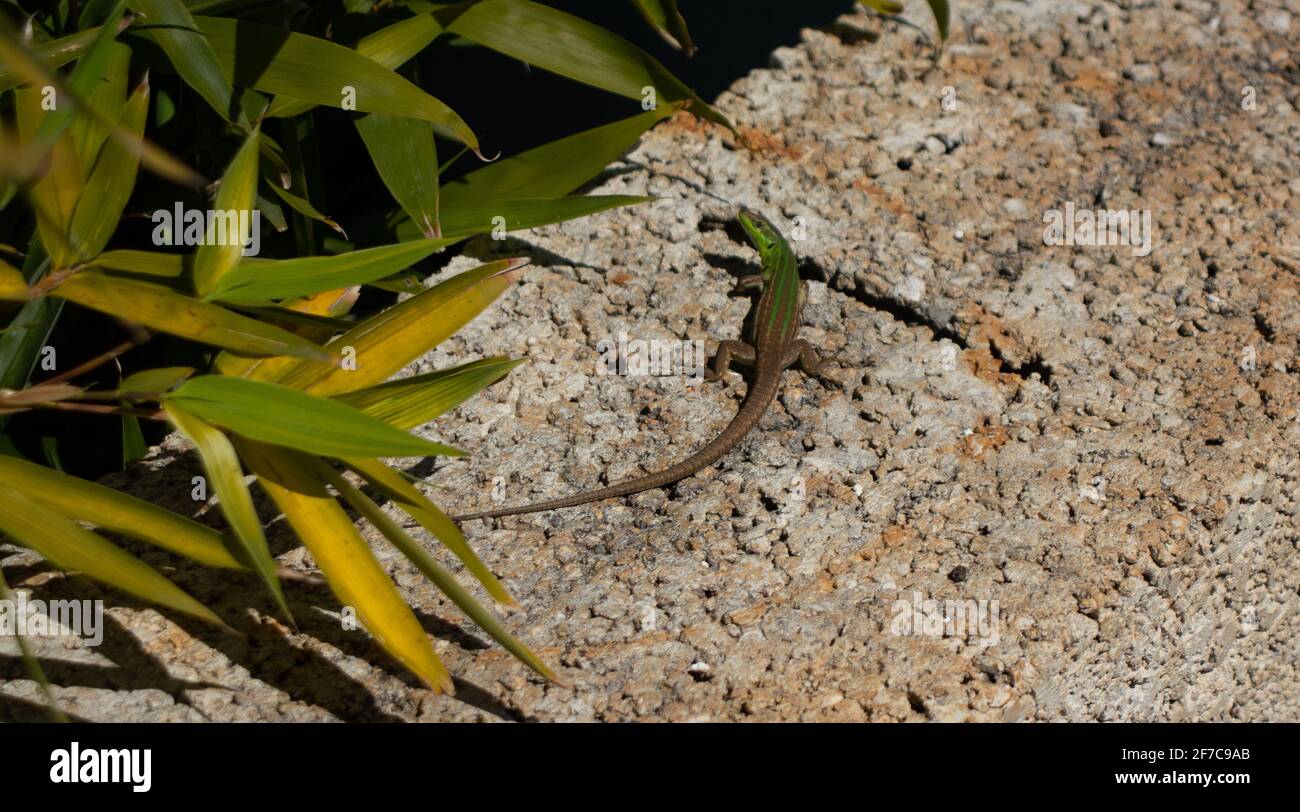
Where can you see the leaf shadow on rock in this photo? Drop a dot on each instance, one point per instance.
(270, 653)
(14, 709)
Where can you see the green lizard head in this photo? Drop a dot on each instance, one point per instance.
(765, 237)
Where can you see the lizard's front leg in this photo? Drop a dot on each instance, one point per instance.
(729, 351)
(748, 283)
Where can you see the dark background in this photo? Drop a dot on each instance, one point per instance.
(732, 37)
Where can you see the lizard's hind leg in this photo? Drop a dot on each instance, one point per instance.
(729, 351)
(803, 354)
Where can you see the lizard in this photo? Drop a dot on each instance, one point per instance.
(774, 347)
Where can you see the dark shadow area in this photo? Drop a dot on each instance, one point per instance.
(262, 648)
(472, 695)
(90, 445)
(270, 653)
(256, 46)
(13, 709)
(733, 37)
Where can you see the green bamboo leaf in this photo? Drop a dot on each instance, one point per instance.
(237, 193)
(404, 495)
(190, 53)
(391, 47)
(54, 54)
(271, 151)
(401, 283)
(259, 280)
(71, 547)
(390, 340)
(414, 401)
(664, 17)
(273, 212)
(30, 327)
(279, 415)
(343, 555)
(109, 184)
(550, 170)
(113, 510)
(572, 47)
(403, 152)
(133, 445)
(303, 206)
(442, 579)
(942, 17)
(496, 216)
(146, 263)
(164, 108)
(322, 72)
(293, 320)
(152, 381)
(185, 316)
(227, 477)
(940, 9)
(884, 6)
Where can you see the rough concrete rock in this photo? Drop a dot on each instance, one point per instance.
(1098, 448)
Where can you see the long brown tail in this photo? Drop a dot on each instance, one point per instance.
(751, 411)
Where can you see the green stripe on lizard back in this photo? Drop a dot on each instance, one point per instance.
(780, 272)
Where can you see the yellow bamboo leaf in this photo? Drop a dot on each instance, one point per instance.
(157, 307)
(433, 571)
(109, 184)
(408, 498)
(13, 285)
(414, 401)
(70, 546)
(146, 263)
(227, 476)
(390, 340)
(344, 557)
(113, 510)
(329, 303)
(54, 196)
(237, 193)
(107, 98)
